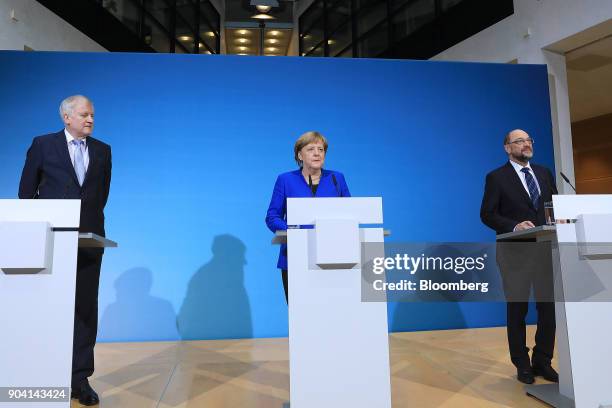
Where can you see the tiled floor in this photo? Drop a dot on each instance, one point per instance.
(450, 368)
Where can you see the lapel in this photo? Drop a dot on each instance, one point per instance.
(324, 175)
(322, 181)
(94, 155)
(542, 182)
(517, 184)
(317, 194)
(62, 150)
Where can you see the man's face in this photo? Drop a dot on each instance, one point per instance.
(519, 146)
(81, 120)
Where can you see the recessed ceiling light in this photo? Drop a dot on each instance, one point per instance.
(272, 41)
(242, 41)
(243, 48)
(242, 53)
(209, 34)
(262, 16)
(244, 32)
(272, 49)
(185, 37)
(275, 33)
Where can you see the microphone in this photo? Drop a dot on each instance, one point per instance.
(310, 183)
(37, 189)
(567, 181)
(336, 185)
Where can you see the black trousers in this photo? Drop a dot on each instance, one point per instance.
(526, 268)
(89, 261)
(517, 337)
(285, 275)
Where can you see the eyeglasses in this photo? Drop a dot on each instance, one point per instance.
(522, 141)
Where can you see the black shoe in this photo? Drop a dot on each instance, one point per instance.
(85, 394)
(546, 371)
(525, 375)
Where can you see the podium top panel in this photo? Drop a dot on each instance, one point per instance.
(532, 233)
(91, 240)
(570, 206)
(281, 236)
(58, 213)
(305, 211)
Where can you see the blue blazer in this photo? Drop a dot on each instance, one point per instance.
(292, 184)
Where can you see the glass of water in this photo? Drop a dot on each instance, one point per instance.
(549, 214)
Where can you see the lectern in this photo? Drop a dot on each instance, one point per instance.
(338, 343)
(582, 267)
(38, 259)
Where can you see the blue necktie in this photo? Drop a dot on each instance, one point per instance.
(79, 161)
(531, 186)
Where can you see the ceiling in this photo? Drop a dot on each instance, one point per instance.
(589, 77)
(247, 41)
(242, 11)
(588, 56)
(243, 33)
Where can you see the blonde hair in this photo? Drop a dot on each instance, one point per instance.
(305, 139)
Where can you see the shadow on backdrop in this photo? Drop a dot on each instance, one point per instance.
(216, 305)
(136, 315)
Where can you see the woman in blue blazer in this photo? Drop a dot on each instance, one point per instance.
(309, 181)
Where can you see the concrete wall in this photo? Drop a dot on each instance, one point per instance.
(529, 36)
(40, 29)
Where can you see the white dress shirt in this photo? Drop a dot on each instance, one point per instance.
(518, 168)
(71, 147)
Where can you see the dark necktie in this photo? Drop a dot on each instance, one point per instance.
(531, 186)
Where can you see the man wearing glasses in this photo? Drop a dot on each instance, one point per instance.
(513, 200)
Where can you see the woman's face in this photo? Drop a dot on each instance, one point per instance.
(312, 155)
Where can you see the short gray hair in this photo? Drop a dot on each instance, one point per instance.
(67, 105)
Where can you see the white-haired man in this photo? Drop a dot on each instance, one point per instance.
(70, 164)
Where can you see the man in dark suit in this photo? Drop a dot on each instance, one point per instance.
(513, 200)
(70, 164)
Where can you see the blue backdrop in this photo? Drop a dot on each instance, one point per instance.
(197, 144)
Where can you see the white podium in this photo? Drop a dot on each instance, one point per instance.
(338, 345)
(38, 259)
(582, 267)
